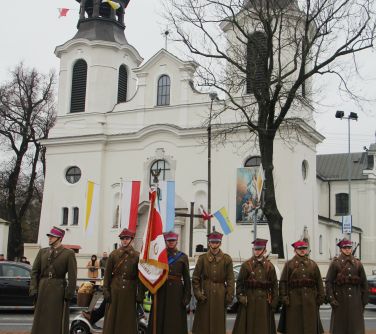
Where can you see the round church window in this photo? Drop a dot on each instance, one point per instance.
(73, 174)
(305, 169)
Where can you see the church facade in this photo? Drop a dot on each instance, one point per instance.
(121, 118)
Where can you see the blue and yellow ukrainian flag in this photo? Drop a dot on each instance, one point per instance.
(224, 220)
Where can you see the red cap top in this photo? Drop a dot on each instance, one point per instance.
(170, 236)
(56, 232)
(300, 244)
(215, 236)
(126, 233)
(259, 243)
(344, 243)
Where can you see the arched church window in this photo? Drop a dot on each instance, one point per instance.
(78, 94)
(75, 215)
(253, 162)
(64, 218)
(256, 62)
(122, 84)
(163, 97)
(159, 171)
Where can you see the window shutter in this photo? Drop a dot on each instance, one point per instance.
(122, 84)
(256, 62)
(79, 86)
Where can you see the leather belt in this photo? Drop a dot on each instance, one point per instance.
(253, 284)
(302, 283)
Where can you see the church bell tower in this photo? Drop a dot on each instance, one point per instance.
(96, 64)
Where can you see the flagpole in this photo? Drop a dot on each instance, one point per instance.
(120, 206)
(155, 313)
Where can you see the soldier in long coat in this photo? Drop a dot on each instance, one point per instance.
(122, 288)
(51, 291)
(213, 287)
(347, 291)
(257, 293)
(302, 292)
(175, 294)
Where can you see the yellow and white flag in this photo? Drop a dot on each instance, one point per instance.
(260, 182)
(114, 5)
(92, 197)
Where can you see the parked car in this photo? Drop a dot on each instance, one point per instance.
(372, 289)
(14, 285)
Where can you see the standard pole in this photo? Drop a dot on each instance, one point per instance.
(255, 225)
(209, 166)
(349, 170)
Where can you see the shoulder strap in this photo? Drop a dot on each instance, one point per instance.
(120, 262)
(51, 260)
(173, 259)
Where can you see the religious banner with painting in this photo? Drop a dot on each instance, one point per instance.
(247, 203)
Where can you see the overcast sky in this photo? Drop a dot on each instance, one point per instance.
(30, 31)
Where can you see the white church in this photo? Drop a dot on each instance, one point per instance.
(121, 117)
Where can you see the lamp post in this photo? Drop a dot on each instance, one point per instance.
(352, 116)
(213, 96)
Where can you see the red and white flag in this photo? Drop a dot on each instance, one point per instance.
(153, 264)
(63, 12)
(129, 199)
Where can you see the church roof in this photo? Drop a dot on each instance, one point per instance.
(333, 167)
(101, 29)
(164, 53)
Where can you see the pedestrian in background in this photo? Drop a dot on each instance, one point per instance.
(93, 267)
(122, 288)
(302, 292)
(213, 287)
(103, 262)
(347, 291)
(175, 294)
(51, 291)
(257, 293)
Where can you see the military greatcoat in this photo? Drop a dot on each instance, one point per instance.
(213, 287)
(173, 297)
(122, 290)
(257, 284)
(347, 291)
(52, 290)
(302, 292)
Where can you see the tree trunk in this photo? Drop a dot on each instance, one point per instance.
(270, 208)
(15, 244)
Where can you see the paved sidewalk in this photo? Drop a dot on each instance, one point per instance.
(12, 332)
(367, 332)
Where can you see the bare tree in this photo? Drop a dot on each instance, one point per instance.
(27, 113)
(263, 54)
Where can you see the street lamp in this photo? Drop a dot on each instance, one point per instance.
(213, 96)
(352, 116)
